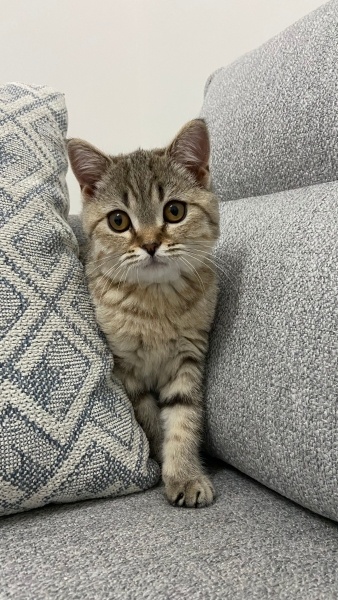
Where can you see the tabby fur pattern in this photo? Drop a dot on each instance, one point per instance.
(154, 288)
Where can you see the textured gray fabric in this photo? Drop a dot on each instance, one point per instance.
(67, 430)
(273, 114)
(251, 544)
(272, 376)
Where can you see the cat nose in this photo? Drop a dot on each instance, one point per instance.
(150, 248)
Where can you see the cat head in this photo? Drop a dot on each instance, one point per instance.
(150, 215)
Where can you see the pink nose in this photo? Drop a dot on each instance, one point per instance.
(150, 248)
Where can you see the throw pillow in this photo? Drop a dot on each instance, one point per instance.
(67, 429)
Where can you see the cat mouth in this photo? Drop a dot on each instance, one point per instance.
(154, 262)
(154, 269)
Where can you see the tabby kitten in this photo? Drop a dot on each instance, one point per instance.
(151, 222)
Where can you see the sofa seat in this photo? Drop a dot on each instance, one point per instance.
(252, 543)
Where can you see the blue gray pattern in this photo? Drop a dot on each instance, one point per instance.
(67, 430)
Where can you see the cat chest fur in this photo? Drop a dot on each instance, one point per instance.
(149, 334)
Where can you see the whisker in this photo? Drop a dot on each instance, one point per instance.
(125, 278)
(214, 263)
(102, 259)
(96, 260)
(195, 270)
(213, 260)
(134, 262)
(130, 257)
(103, 291)
(98, 267)
(100, 262)
(225, 273)
(210, 254)
(109, 279)
(171, 250)
(204, 244)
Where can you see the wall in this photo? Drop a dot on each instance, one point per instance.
(133, 71)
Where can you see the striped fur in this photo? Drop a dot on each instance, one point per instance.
(156, 313)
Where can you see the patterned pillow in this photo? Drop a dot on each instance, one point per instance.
(67, 429)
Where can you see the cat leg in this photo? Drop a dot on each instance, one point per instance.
(147, 414)
(146, 410)
(182, 419)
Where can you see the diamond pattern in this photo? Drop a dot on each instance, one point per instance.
(15, 304)
(43, 252)
(54, 384)
(7, 207)
(11, 163)
(67, 429)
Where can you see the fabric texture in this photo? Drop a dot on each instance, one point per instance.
(272, 376)
(273, 114)
(251, 544)
(67, 430)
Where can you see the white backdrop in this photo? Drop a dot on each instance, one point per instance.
(133, 71)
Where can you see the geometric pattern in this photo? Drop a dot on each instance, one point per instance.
(67, 428)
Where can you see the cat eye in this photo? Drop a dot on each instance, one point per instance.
(174, 211)
(119, 221)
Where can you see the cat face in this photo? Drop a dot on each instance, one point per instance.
(149, 215)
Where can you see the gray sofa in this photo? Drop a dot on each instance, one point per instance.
(271, 381)
(251, 543)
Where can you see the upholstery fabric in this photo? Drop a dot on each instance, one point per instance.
(272, 371)
(272, 376)
(273, 114)
(67, 430)
(251, 544)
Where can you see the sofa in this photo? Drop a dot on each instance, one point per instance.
(271, 443)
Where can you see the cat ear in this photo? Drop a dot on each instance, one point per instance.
(88, 163)
(191, 149)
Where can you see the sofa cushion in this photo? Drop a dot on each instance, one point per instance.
(67, 430)
(272, 376)
(273, 114)
(251, 544)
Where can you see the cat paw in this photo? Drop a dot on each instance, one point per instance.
(193, 493)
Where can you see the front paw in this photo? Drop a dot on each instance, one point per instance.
(192, 493)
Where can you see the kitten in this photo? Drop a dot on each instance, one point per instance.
(152, 221)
